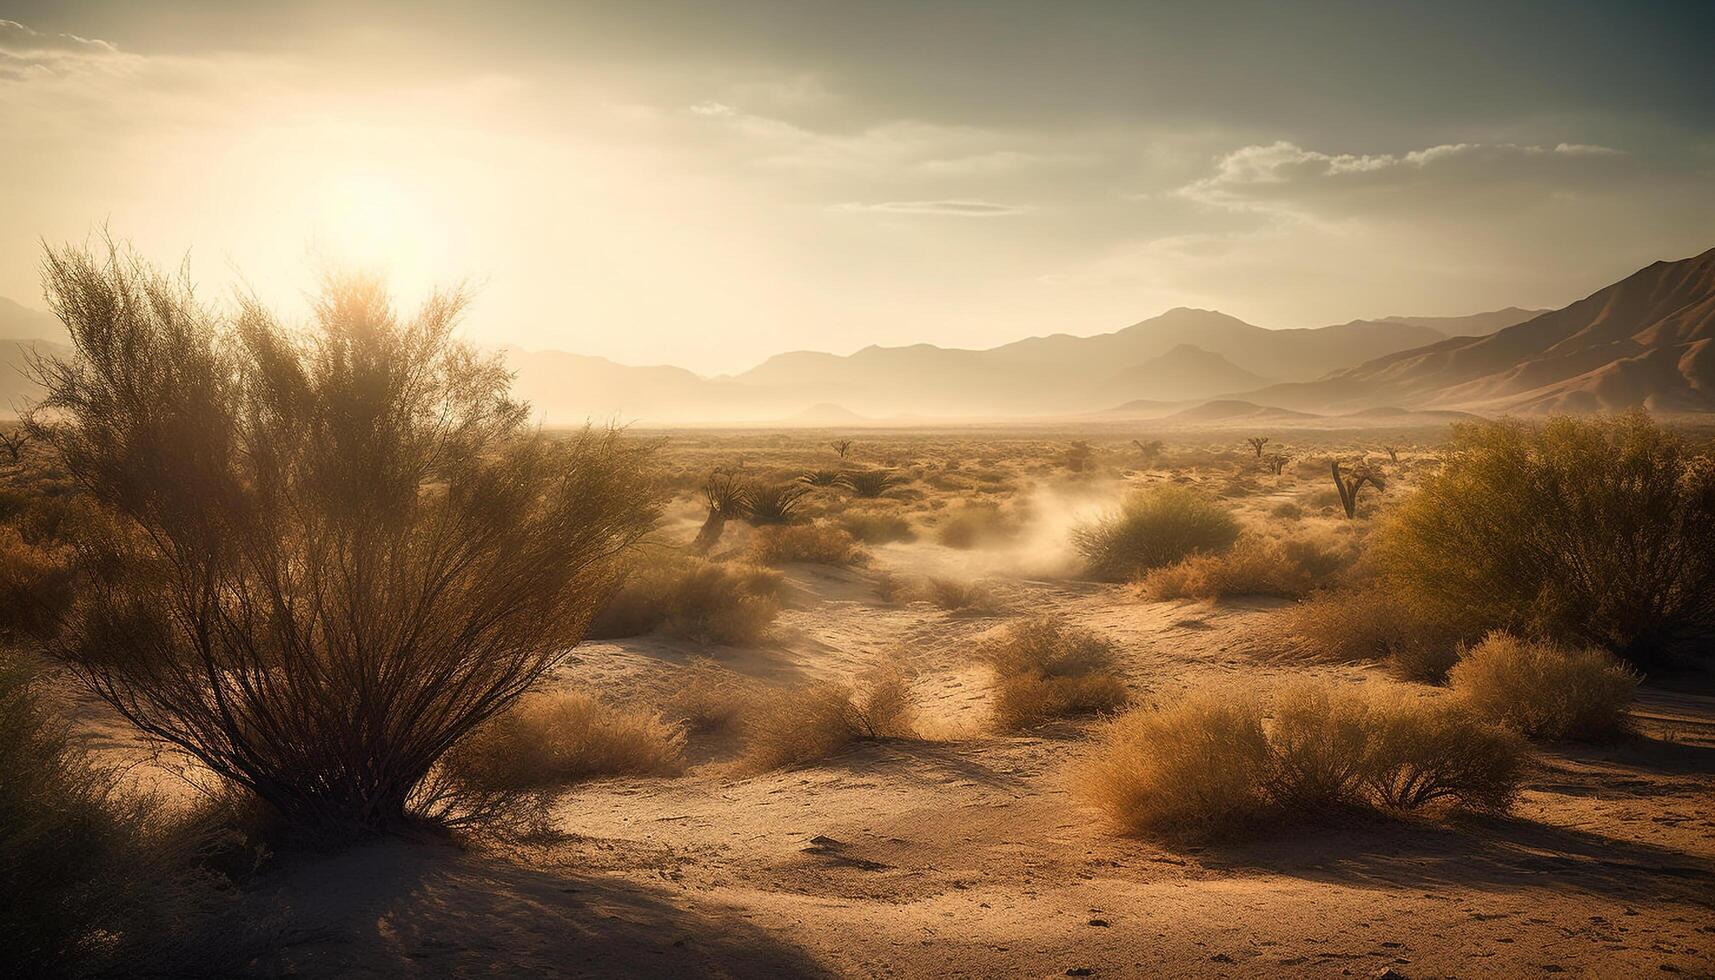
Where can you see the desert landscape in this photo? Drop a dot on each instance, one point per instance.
(971, 488)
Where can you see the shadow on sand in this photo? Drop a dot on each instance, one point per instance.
(396, 908)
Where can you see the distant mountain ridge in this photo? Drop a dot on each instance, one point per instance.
(1647, 341)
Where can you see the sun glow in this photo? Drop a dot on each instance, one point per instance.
(372, 222)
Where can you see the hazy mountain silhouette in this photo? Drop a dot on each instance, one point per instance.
(1185, 372)
(1645, 341)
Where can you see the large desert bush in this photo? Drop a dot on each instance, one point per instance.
(552, 739)
(1046, 669)
(818, 720)
(1545, 690)
(1593, 531)
(321, 557)
(74, 848)
(730, 603)
(1154, 527)
(876, 525)
(1219, 762)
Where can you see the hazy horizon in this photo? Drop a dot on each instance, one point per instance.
(708, 186)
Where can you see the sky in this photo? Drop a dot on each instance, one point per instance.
(706, 184)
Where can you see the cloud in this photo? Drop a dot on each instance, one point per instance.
(961, 209)
(1287, 180)
(27, 54)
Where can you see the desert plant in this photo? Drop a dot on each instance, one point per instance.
(728, 496)
(1392, 453)
(1253, 566)
(552, 739)
(1348, 484)
(876, 525)
(841, 446)
(36, 589)
(1046, 669)
(1078, 456)
(1544, 690)
(13, 441)
(1276, 462)
(1215, 763)
(320, 560)
(708, 699)
(775, 503)
(1592, 531)
(1421, 751)
(820, 478)
(1366, 622)
(1151, 450)
(819, 720)
(1256, 443)
(1194, 768)
(1152, 528)
(869, 483)
(820, 544)
(959, 595)
(729, 603)
(975, 524)
(74, 848)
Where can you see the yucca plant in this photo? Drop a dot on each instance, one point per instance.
(728, 497)
(869, 483)
(820, 478)
(776, 503)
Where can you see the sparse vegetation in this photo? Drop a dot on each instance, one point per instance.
(1253, 566)
(728, 497)
(816, 721)
(1046, 669)
(1544, 690)
(1366, 623)
(729, 603)
(819, 543)
(1350, 483)
(1256, 443)
(876, 525)
(975, 525)
(1216, 763)
(1592, 531)
(552, 740)
(1153, 528)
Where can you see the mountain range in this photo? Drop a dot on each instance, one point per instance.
(1648, 340)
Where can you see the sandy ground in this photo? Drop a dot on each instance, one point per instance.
(970, 857)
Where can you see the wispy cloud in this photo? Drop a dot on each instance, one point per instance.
(960, 209)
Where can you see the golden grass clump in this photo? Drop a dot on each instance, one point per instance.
(1154, 527)
(1544, 690)
(820, 720)
(1253, 566)
(729, 603)
(708, 700)
(876, 525)
(563, 737)
(1046, 669)
(1366, 623)
(820, 544)
(1218, 763)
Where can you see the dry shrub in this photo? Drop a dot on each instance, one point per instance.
(1426, 750)
(1365, 623)
(324, 556)
(1254, 566)
(1545, 690)
(975, 525)
(873, 525)
(1154, 527)
(821, 544)
(1192, 768)
(1213, 764)
(1046, 669)
(35, 588)
(819, 720)
(553, 739)
(1287, 510)
(74, 849)
(709, 602)
(709, 700)
(960, 595)
(1591, 531)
